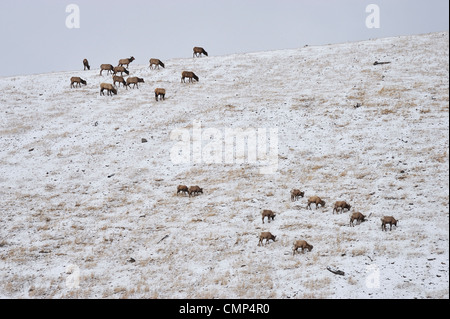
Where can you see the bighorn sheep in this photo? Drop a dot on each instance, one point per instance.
(120, 79)
(156, 63)
(340, 206)
(126, 62)
(109, 87)
(190, 75)
(194, 190)
(76, 81)
(134, 81)
(269, 214)
(106, 67)
(358, 217)
(198, 51)
(86, 64)
(267, 236)
(182, 189)
(388, 220)
(296, 194)
(301, 244)
(160, 93)
(120, 69)
(315, 200)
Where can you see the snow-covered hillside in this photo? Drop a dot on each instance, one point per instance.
(89, 209)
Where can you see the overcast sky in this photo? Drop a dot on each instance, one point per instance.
(35, 37)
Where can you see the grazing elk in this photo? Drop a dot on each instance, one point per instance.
(198, 51)
(161, 93)
(76, 81)
(126, 62)
(340, 206)
(182, 189)
(388, 220)
(194, 190)
(296, 194)
(86, 65)
(267, 236)
(315, 200)
(269, 214)
(120, 69)
(301, 244)
(106, 67)
(358, 217)
(120, 79)
(156, 63)
(190, 75)
(109, 87)
(134, 81)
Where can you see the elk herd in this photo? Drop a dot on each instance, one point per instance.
(123, 66)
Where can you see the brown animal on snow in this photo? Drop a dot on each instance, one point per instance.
(120, 69)
(120, 79)
(296, 194)
(339, 206)
(358, 217)
(301, 244)
(315, 200)
(182, 189)
(190, 75)
(106, 67)
(156, 63)
(198, 51)
(86, 64)
(269, 214)
(76, 81)
(194, 190)
(126, 62)
(109, 87)
(388, 220)
(267, 236)
(134, 81)
(160, 93)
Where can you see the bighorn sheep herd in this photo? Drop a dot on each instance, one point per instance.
(302, 244)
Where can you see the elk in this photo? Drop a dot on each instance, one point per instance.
(267, 236)
(106, 67)
(134, 81)
(160, 93)
(198, 51)
(301, 244)
(120, 69)
(86, 65)
(76, 81)
(182, 189)
(126, 62)
(109, 87)
(296, 194)
(315, 200)
(358, 217)
(269, 214)
(120, 79)
(388, 220)
(340, 206)
(194, 190)
(156, 63)
(190, 75)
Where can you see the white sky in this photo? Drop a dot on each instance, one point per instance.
(35, 38)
